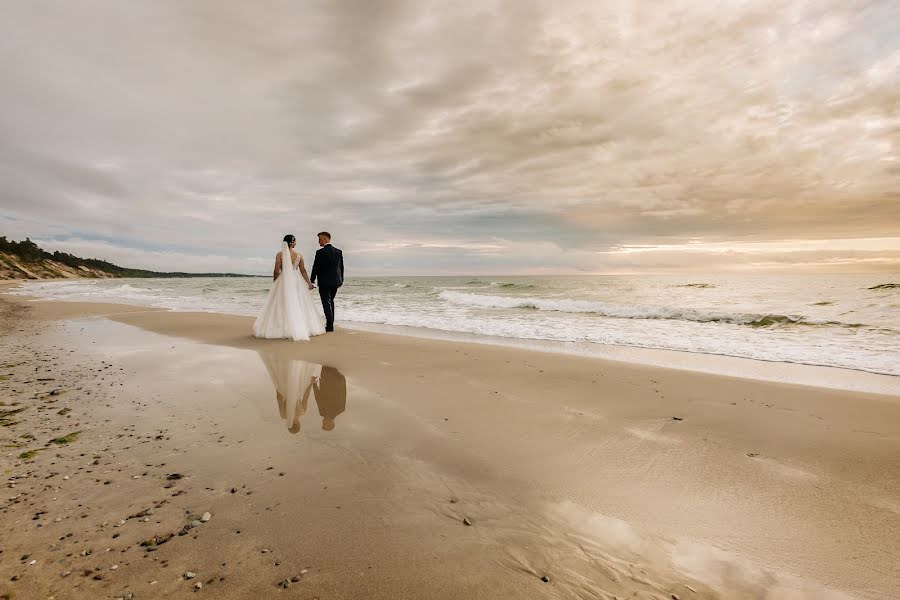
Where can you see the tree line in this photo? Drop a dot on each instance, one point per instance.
(29, 252)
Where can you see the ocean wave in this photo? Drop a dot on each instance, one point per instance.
(512, 286)
(697, 285)
(634, 312)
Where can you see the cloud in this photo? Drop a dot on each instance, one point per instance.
(213, 128)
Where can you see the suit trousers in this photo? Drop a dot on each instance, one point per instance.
(327, 294)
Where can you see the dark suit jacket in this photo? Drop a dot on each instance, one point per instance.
(331, 393)
(328, 267)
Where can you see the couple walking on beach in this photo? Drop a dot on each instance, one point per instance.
(289, 311)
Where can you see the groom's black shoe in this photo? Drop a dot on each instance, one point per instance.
(329, 330)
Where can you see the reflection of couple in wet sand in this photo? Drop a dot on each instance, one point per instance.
(295, 380)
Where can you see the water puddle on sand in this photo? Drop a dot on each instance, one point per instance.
(375, 470)
(294, 381)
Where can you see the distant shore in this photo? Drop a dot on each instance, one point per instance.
(604, 477)
(25, 260)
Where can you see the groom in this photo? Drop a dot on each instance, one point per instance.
(329, 268)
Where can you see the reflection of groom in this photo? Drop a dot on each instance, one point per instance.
(331, 396)
(329, 268)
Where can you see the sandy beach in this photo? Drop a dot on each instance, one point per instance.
(369, 465)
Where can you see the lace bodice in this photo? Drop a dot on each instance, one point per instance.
(296, 263)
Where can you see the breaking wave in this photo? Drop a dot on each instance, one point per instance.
(512, 286)
(632, 312)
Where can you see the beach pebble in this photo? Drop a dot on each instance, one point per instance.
(674, 597)
(677, 419)
(34, 562)
(265, 550)
(206, 517)
(66, 477)
(66, 573)
(189, 575)
(114, 567)
(284, 584)
(467, 521)
(295, 579)
(124, 596)
(545, 579)
(196, 523)
(198, 585)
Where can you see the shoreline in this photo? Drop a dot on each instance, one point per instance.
(609, 478)
(795, 373)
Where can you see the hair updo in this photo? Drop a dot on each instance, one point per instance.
(289, 239)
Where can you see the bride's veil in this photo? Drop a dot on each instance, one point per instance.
(290, 287)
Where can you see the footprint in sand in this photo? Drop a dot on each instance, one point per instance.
(886, 504)
(572, 412)
(781, 468)
(652, 436)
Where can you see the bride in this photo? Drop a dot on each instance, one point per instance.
(289, 311)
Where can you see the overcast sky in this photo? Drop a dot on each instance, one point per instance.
(455, 137)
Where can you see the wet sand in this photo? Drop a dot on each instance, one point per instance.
(350, 464)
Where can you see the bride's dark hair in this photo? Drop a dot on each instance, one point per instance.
(289, 239)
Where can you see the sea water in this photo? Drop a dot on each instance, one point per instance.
(849, 321)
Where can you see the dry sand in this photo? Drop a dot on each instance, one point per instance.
(612, 480)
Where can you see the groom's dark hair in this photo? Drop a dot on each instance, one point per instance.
(326, 234)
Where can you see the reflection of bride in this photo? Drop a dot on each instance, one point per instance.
(293, 381)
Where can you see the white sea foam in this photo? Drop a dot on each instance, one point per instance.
(631, 312)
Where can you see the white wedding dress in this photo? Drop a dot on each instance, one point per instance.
(290, 311)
